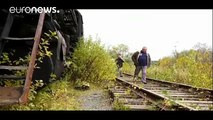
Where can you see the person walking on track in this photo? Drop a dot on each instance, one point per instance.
(134, 60)
(143, 62)
(119, 63)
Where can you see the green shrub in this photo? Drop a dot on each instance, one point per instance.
(193, 67)
(91, 62)
(128, 67)
(58, 95)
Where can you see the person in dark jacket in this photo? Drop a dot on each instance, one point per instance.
(135, 61)
(143, 62)
(119, 63)
(134, 58)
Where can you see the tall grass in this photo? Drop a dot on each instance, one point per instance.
(189, 67)
(192, 67)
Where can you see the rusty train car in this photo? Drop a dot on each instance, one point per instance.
(17, 40)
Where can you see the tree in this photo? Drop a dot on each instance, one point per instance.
(203, 52)
(121, 48)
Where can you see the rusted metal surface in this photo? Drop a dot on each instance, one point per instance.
(10, 95)
(24, 98)
(180, 99)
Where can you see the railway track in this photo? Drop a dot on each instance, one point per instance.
(169, 95)
(131, 101)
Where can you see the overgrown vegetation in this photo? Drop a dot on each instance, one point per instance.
(92, 63)
(128, 67)
(43, 51)
(59, 95)
(193, 67)
(118, 105)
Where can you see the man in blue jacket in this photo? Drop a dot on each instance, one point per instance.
(143, 62)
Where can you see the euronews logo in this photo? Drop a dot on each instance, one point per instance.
(33, 10)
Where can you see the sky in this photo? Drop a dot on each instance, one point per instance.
(161, 31)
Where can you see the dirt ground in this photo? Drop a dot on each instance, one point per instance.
(95, 99)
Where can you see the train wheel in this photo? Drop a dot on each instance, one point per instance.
(57, 59)
(44, 70)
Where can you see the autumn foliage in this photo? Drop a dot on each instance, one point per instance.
(193, 67)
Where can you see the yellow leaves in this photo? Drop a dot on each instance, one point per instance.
(44, 42)
(44, 46)
(190, 67)
(5, 58)
(168, 103)
(47, 34)
(128, 68)
(166, 62)
(49, 53)
(91, 62)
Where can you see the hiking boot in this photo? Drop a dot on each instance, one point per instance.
(144, 82)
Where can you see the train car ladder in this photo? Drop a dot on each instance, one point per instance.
(12, 95)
